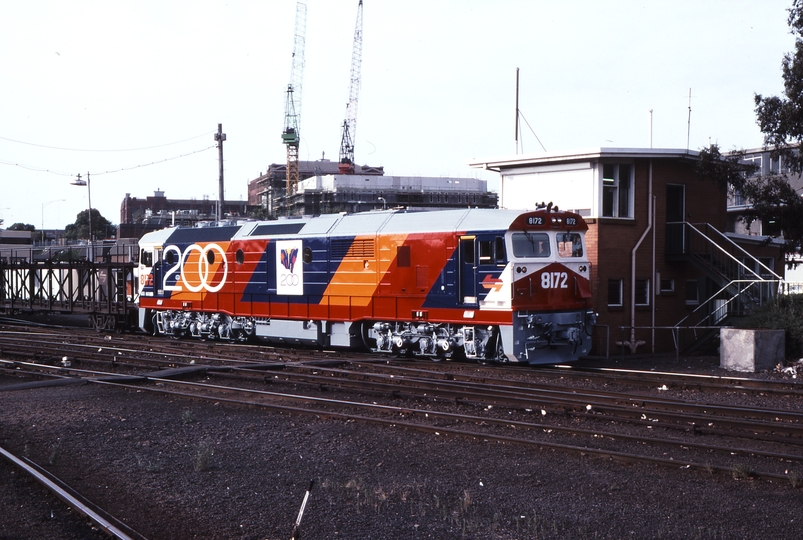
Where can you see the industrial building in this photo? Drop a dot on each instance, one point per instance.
(138, 216)
(269, 190)
(324, 191)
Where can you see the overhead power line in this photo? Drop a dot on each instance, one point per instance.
(39, 169)
(105, 150)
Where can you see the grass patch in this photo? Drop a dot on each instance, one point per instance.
(203, 457)
(54, 452)
(187, 417)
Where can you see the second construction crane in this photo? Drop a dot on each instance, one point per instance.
(346, 165)
(292, 111)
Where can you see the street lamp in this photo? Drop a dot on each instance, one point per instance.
(384, 202)
(80, 182)
(43, 216)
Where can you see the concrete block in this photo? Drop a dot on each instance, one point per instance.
(745, 349)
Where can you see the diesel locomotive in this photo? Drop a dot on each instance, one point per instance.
(488, 285)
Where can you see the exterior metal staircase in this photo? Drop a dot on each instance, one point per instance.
(741, 281)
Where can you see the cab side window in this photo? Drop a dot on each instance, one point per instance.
(492, 251)
(146, 258)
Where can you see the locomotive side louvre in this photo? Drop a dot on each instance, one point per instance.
(428, 283)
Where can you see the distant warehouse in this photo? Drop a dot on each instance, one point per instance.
(323, 191)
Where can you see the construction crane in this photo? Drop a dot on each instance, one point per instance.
(292, 110)
(346, 165)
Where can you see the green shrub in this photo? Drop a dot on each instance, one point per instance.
(784, 312)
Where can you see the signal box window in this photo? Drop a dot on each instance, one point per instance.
(642, 292)
(692, 294)
(528, 245)
(616, 192)
(614, 293)
(570, 245)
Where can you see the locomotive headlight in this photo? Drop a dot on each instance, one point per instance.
(583, 268)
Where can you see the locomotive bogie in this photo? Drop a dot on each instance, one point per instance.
(552, 337)
(434, 340)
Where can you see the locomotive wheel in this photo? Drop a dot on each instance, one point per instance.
(496, 351)
(365, 327)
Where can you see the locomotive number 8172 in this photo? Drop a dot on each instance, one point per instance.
(489, 285)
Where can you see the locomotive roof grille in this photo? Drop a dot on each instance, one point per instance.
(277, 228)
(203, 234)
(362, 248)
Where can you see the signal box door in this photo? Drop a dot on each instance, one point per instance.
(468, 270)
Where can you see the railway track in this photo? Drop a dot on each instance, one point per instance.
(635, 423)
(100, 519)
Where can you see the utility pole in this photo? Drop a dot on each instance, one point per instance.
(220, 137)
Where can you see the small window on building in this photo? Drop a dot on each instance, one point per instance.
(756, 161)
(614, 293)
(767, 267)
(667, 285)
(775, 165)
(692, 294)
(642, 292)
(617, 180)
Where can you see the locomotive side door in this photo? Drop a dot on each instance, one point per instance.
(467, 270)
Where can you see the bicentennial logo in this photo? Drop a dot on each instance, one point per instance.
(288, 258)
(205, 271)
(289, 275)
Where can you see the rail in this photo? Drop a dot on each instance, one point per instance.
(100, 518)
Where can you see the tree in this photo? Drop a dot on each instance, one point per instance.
(781, 118)
(773, 199)
(101, 227)
(22, 227)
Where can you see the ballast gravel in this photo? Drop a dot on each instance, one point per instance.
(182, 469)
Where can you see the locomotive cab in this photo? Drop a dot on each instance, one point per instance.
(551, 296)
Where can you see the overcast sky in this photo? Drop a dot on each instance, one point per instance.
(99, 86)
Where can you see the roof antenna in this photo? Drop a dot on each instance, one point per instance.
(516, 137)
(688, 131)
